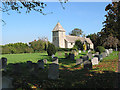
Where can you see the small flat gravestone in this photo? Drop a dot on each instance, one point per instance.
(71, 56)
(95, 61)
(4, 63)
(45, 61)
(40, 64)
(53, 71)
(87, 65)
(85, 58)
(79, 61)
(55, 60)
(7, 83)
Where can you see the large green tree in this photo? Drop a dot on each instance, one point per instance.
(76, 32)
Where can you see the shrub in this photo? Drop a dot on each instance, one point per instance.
(100, 49)
(79, 44)
(51, 49)
(63, 49)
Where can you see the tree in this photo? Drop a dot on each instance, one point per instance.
(51, 49)
(110, 42)
(76, 32)
(79, 44)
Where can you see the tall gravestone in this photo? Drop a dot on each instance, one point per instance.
(55, 60)
(4, 63)
(40, 64)
(95, 61)
(53, 71)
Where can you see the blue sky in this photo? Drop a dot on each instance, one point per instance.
(25, 28)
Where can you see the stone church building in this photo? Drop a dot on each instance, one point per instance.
(59, 39)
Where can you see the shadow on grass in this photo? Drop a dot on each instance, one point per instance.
(23, 78)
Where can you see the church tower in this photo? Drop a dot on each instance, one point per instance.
(58, 36)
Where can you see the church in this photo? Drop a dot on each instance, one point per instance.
(59, 39)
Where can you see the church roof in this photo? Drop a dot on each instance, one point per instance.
(70, 38)
(58, 27)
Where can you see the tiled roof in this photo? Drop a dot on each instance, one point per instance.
(74, 38)
(58, 27)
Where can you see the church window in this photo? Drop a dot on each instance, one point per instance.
(71, 43)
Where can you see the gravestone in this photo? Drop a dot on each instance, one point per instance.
(103, 54)
(97, 53)
(85, 58)
(55, 60)
(90, 55)
(53, 55)
(87, 65)
(79, 61)
(99, 57)
(53, 71)
(45, 61)
(95, 61)
(7, 83)
(17, 68)
(71, 56)
(107, 51)
(79, 51)
(110, 50)
(89, 51)
(4, 63)
(29, 64)
(40, 64)
(66, 55)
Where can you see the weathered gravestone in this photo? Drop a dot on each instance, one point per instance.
(4, 63)
(79, 61)
(85, 58)
(87, 65)
(90, 55)
(45, 61)
(103, 54)
(95, 61)
(40, 64)
(53, 71)
(71, 56)
(55, 60)
(99, 57)
(7, 83)
(66, 55)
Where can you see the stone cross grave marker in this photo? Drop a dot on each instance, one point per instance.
(40, 64)
(95, 61)
(53, 71)
(55, 60)
(87, 65)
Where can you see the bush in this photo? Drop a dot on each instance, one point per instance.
(100, 49)
(63, 49)
(79, 44)
(51, 49)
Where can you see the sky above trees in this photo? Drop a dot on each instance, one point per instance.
(88, 16)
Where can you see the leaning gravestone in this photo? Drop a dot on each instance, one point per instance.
(79, 61)
(7, 83)
(53, 71)
(45, 61)
(4, 63)
(87, 65)
(40, 64)
(95, 61)
(55, 60)
(71, 56)
(90, 55)
(85, 58)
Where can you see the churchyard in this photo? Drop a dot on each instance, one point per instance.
(38, 70)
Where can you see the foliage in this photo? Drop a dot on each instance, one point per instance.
(51, 49)
(100, 49)
(63, 49)
(79, 44)
(76, 32)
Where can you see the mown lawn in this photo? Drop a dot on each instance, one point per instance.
(102, 75)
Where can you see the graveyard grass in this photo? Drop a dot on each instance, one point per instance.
(71, 76)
